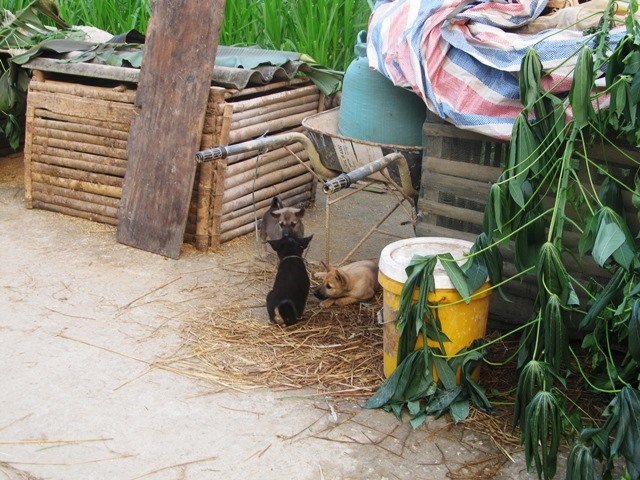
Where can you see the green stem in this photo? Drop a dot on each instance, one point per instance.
(556, 226)
(586, 378)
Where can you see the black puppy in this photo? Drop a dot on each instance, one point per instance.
(288, 297)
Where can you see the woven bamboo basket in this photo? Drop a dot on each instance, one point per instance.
(76, 152)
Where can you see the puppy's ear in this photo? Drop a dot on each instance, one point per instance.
(300, 213)
(340, 278)
(276, 213)
(305, 241)
(276, 244)
(276, 202)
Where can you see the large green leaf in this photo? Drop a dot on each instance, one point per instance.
(608, 240)
(459, 410)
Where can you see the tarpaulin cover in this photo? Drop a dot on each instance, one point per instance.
(462, 57)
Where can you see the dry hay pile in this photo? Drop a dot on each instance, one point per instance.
(337, 351)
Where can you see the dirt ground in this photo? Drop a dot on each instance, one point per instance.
(86, 323)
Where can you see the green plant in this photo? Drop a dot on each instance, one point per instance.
(535, 207)
(18, 31)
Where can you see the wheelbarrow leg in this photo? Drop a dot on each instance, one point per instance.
(373, 229)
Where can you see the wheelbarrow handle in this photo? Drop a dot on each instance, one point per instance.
(265, 143)
(344, 180)
(336, 184)
(211, 154)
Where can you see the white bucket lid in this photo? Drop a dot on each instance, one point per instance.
(396, 256)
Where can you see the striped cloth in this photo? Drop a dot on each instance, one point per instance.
(462, 57)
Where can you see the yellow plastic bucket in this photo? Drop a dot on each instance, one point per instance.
(462, 322)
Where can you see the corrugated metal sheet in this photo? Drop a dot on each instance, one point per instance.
(264, 66)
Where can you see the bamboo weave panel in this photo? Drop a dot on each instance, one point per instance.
(76, 154)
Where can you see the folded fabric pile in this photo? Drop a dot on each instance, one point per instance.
(462, 57)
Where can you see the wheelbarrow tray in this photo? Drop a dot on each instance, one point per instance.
(345, 154)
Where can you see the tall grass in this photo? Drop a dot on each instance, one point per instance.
(323, 29)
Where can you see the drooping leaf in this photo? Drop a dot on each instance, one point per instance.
(627, 439)
(588, 237)
(397, 380)
(603, 299)
(445, 373)
(543, 433)
(475, 268)
(522, 155)
(529, 240)
(633, 341)
(611, 196)
(580, 92)
(551, 273)
(456, 275)
(580, 464)
(440, 402)
(530, 78)
(492, 219)
(555, 333)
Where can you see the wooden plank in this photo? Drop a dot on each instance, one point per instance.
(91, 70)
(173, 89)
(81, 107)
(481, 173)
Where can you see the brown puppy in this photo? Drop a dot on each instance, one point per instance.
(280, 221)
(352, 283)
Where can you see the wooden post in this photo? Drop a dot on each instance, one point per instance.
(173, 87)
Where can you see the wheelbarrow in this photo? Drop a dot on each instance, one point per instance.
(340, 162)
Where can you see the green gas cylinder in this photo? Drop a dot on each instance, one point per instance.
(373, 109)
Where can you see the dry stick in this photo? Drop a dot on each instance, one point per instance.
(70, 316)
(149, 293)
(259, 453)
(105, 349)
(46, 440)
(142, 374)
(68, 464)
(16, 421)
(291, 437)
(184, 464)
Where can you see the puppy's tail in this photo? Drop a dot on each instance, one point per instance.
(288, 312)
